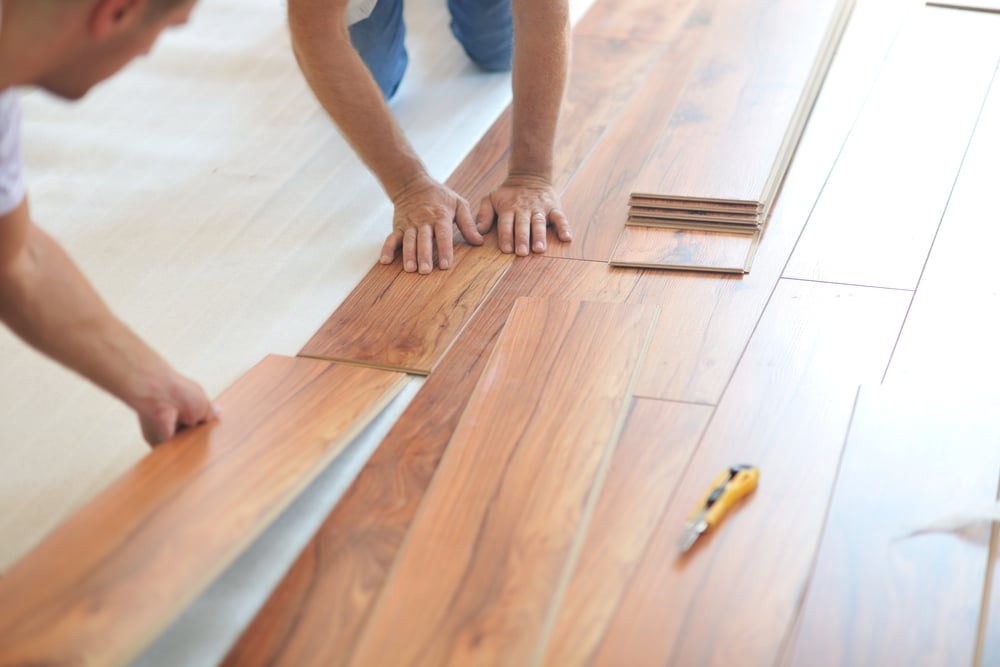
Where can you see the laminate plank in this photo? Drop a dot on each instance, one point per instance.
(692, 250)
(654, 449)
(316, 614)
(950, 333)
(786, 410)
(403, 321)
(101, 585)
(891, 184)
(502, 521)
(747, 97)
(874, 598)
(636, 20)
(975, 5)
(695, 350)
(593, 200)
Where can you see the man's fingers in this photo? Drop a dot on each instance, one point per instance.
(425, 249)
(522, 232)
(443, 232)
(561, 224)
(486, 215)
(505, 230)
(392, 243)
(160, 426)
(410, 250)
(466, 225)
(538, 225)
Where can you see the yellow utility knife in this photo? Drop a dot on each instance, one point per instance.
(728, 488)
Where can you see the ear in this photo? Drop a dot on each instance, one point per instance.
(110, 17)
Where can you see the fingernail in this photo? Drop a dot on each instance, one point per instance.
(425, 268)
(522, 250)
(411, 266)
(216, 409)
(385, 260)
(443, 264)
(539, 247)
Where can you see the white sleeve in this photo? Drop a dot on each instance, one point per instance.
(358, 10)
(11, 158)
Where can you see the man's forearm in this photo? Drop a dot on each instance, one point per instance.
(540, 69)
(342, 84)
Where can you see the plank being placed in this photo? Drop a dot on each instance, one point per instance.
(786, 410)
(877, 216)
(684, 249)
(317, 612)
(406, 321)
(503, 521)
(876, 597)
(101, 586)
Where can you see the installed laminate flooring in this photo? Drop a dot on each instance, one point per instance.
(104, 583)
(501, 524)
(876, 596)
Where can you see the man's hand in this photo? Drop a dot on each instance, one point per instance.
(169, 404)
(423, 219)
(523, 207)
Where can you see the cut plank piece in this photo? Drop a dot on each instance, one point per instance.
(503, 520)
(102, 585)
(975, 5)
(406, 321)
(787, 410)
(877, 216)
(876, 598)
(654, 449)
(735, 129)
(316, 614)
(685, 249)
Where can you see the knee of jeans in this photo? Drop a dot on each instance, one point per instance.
(386, 71)
(491, 50)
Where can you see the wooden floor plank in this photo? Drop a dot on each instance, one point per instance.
(786, 410)
(950, 333)
(658, 440)
(685, 249)
(104, 583)
(317, 612)
(695, 350)
(406, 321)
(874, 598)
(499, 524)
(876, 219)
(651, 21)
(729, 130)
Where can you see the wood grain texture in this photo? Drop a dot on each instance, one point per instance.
(100, 587)
(695, 350)
(593, 200)
(786, 410)
(975, 5)
(685, 249)
(888, 187)
(654, 449)
(730, 129)
(651, 21)
(317, 612)
(512, 496)
(875, 597)
(951, 330)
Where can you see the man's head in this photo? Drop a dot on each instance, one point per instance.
(83, 42)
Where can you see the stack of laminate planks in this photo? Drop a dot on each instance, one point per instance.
(722, 153)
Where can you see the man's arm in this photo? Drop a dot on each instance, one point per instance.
(46, 301)
(424, 209)
(527, 201)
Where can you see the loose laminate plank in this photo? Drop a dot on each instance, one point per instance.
(691, 250)
(874, 598)
(502, 521)
(406, 321)
(878, 214)
(951, 332)
(747, 97)
(654, 449)
(101, 586)
(787, 410)
(317, 612)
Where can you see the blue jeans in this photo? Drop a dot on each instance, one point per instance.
(484, 28)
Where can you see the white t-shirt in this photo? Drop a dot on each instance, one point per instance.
(11, 158)
(358, 10)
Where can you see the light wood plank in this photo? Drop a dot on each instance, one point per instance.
(101, 586)
(658, 440)
(876, 219)
(951, 330)
(874, 598)
(502, 520)
(975, 5)
(740, 112)
(786, 410)
(685, 249)
(317, 612)
(640, 20)
(695, 350)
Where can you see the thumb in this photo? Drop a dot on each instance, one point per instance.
(160, 426)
